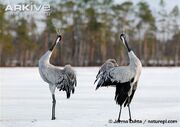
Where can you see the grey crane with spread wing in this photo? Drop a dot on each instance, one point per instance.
(124, 78)
(62, 79)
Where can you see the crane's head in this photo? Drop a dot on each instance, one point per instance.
(123, 38)
(58, 39)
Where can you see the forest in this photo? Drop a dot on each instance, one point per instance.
(90, 32)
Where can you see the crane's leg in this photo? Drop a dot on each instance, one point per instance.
(129, 113)
(119, 113)
(117, 121)
(53, 107)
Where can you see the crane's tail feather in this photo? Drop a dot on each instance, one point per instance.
(129, 99)
(67, 85)
(121, 93)
(68, 94)
(73, 90)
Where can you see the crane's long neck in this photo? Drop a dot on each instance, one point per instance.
(135, 65)
(46, 57)
(126, 44)
(133, 60)
(54, 44)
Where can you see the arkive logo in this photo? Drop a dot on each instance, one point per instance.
(27, 7)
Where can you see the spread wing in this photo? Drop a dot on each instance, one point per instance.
(105, 67)
(66, 82)
(115, 76)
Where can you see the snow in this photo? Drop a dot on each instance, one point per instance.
(25, 100)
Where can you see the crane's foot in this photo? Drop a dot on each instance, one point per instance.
(53, 118)
(130, 120)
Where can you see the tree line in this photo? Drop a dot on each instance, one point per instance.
(90, 31)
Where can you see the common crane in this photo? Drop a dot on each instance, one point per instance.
(62, 79)
(124, 78)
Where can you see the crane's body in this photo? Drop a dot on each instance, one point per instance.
(124, 78)
(62, 79)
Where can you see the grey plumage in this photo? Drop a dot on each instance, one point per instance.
(62, 79)
(67, 80)
(110, 63)
(120, 74)
(124, 78)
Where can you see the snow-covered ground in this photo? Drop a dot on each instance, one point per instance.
(25, 100)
